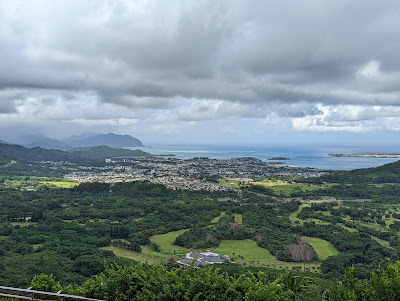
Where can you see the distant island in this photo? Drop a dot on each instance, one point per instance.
(279, 158)
(376, 155)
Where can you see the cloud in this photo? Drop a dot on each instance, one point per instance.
(122, 63)
(350, 118)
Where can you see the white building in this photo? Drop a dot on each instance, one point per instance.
(203, 258)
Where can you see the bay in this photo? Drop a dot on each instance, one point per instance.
(315, 157)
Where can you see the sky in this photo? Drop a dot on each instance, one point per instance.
(305, 71)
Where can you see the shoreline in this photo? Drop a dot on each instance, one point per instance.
(376, 155)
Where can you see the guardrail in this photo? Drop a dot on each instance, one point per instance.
(18, 293)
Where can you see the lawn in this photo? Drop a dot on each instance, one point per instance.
(216, 219)
(390, 221)
(293, 216)
(253, 254)
(147, 254)
(60, 184)
(286, 188)
(270, 182)
(238, 218)
(317, 221)
(229, 183)
(348, 228)
(36, 246)
(323, 248)
(382, 242)
(165, 241)
(246, 248)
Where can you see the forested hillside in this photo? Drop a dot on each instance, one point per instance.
(388, 173)
(301, 247)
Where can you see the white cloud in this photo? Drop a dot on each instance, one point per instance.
(370, 70)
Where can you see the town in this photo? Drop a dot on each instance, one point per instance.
(190, 174)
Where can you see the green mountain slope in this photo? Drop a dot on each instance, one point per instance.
(35, 154)
(109, 139)
(388, 173)
(104, 151)
(41, 154)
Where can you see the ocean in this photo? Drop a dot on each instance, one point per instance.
(299, 156)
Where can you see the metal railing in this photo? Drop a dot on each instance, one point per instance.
(21, 294)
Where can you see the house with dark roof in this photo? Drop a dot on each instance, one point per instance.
(198, 259)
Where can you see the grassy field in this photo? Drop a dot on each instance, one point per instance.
(216, 219)
(246, 248)
(293, 216)
(60, 184)
(165, 242)
(390, 221)
(382, 242)
(323, 248)
(348, 228)
(286, 188)
(147, 254)
(374, 226)
(315, 220)
(3, 237)
(36, 246)
(229, 183)
(238, 218)
(252, 254)
(271, 182)
(33, 182)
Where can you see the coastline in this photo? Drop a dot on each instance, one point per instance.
(376, 155)
(313, 157)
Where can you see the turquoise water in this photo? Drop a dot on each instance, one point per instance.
(312, 157)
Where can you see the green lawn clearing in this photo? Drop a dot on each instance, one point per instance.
(323, 248)
(293, 216)
(382, 242)
(348, 228)
(286, 188)
(60, 184)
(238, 218)
(229, 183)
(165, 241)
(246, 248)
(36, 246)
(216, 219)
(147, 254)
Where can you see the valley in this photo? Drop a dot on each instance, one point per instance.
(89, 213)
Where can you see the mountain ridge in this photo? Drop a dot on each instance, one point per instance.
(75, 141)
(42, 154)
(110, 139)
(104, 151)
